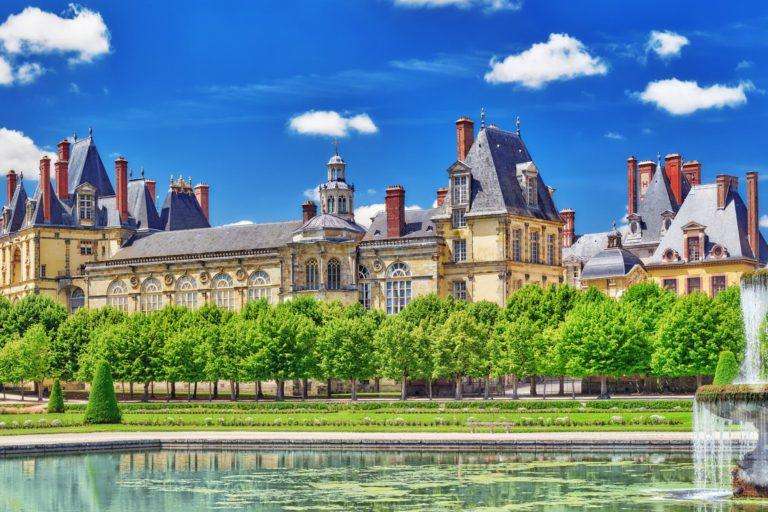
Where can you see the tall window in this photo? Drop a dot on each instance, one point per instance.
(85, 206)
(459, 250)
(364, 288)
(117, 295)
(550, 249)
(459, 218)
(76, 299)
(312, 275)
(693, 284)
(517, 243)
(535, 247)
(330, 204)
(670, 284)
(718, 284)
(258, 286)
(460, 190)
(342, 204)
(694, 249)
(531, 191)
(223, 292)
(460, 290)
(186, 293)
(398, 287)
(334, 274)
(151, 295)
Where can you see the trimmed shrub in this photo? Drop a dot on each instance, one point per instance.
(727, 369)
(56, 400)
(102, 403)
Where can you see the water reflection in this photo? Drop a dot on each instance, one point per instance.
(192, 481)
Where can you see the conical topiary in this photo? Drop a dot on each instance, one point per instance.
(727, 369)
(56, 400)
(102, 403)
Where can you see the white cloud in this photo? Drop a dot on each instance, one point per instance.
(313, 194)
(74, 88)
(34, 31)
(562, 57)
(364, 214)
(666, 44)
(331, 123)
(764, 221)
(680, 98)
(744, 64)
(19, 152)
(487, 5)
(29, 72)
(239, 223)
(613, 135)
(6, 72)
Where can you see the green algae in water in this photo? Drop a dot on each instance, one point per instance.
(304, 481)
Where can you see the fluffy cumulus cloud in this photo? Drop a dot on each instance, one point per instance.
(6, 72)
(488, 5)
(613, 136)
(562, 57)
(313, 194)
(364, 214)
(666, 44)
(331, 123)
(681, 98)
(83, 34)
(19, 152)
(28, 72)
(240, 223)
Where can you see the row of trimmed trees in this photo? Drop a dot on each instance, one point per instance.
(552, 331)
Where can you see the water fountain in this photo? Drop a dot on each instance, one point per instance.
(731, 422)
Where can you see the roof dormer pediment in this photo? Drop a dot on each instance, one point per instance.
(693, 226)
(458, 167)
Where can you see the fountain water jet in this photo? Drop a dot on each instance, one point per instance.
(731, 422)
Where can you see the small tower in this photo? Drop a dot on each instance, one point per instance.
(336, 195)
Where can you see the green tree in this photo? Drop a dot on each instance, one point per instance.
(727, 369)
(515, 349)
(12, 371)
(56, 400)
(460, 349)
(73, 335)
(32, 310)
(402, 353)
(102, 404)
(347, 349)
(649, 301)
(34, 356)
(233, 351)
(185, 356)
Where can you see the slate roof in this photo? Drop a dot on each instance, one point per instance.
(18, 208)
(418, 223)
(207, 240)
(61, 214)
(588, 244)
(182, 211)
(85, 166)
(613, 262)
(141, 206)
(727, 227)
(493, 160)
(329, 221)
(658, 199)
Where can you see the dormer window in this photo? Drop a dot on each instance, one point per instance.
(531, 189)
(85, 204)
(527, 178)
(694, 248)
(460, 190)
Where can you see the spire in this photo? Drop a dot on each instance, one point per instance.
(482, 118)
(658, 161)
(90, 131)
(517, 125)
(336, 146)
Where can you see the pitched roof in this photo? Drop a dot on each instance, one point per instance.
(141, 205)
(330, 221)
(182, 211)
(85, 166)
(18, 208)
(612, 262)
(658, 198)
(208, 240)
(61, 214)
(418, 223)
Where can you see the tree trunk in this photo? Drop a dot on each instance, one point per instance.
(429, 387)
(699, 381)
(404, 387)
(39, 386)
(145, 395)
(304, 388)
(561, 391)
(130, 389)
(173, 390)
(458, 394)
(237, 390)
(328, 383)
(515, 396)
(152, 389)
(377, 385)
(604, 388)
(259, 393)
(544, 386)
(280, 390)
(194, 392)
(21, 385)
(210, 391)
(353, 383)
(486, 388)
(573, 388)
(168, 394)
(232, 391)
(215, 393)
(189, 391)
(533, 386)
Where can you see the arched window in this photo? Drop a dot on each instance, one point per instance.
(364, 287)
(117, 296)
(76, 299)
(334, 274)
(223, 292)
(398, 287)
(186, 292)
(151, 295)
(342, 204)
(312, 275)
(330, 204)
(258, 286)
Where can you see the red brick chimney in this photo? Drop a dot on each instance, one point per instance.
(11, 180)
(465, 136)
(62, 171)
(308, 211)
(568, 216)
(631, 185)
(121, 180)
(45, 186)
(673, 167)
(202, 193)
(151, 188)
(646, 170)
(442, 193)
(692, 172)
(395, 208)
(724, 184)
(753, 222)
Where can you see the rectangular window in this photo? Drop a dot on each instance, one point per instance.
(694, 284)
(531, 191)
(42, 270)
(670, 284)
(86, 248)
(517, 240)
(459, 218)
(85, 206)
(694, 252)
(550, 249)
(460, 290)
(459, 250)
(460, 192)
(398, 295)
(718, 284)
(535, 247)
(365, 295)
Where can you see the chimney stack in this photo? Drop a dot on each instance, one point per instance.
(308, 211)
(151, 188)
(395, 208)
(121, 179)
(11, 180)
(62, 171)
(568, 216)
(442, 193)
(45, 187)
(692, 172)
(646, 170)
(753, 223)
(465, 136)
(202, 193)
(631, 185)
(673, 167)
(724, 184)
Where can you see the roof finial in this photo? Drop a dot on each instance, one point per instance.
(482, 118)
(658, 160)
(142, 172)
(517, 125)
(613, 225)
(90, 131)
(74, 136)
(336, 146)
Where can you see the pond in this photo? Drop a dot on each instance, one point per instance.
(192, 481)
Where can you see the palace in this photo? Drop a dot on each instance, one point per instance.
(493, 229)
(682, 234)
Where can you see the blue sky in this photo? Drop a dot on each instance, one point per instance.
(209, 89)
